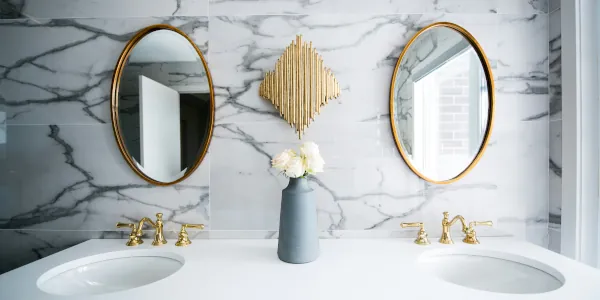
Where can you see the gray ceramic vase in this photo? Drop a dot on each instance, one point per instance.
(298, 232)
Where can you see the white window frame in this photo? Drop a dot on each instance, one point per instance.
(580, 113)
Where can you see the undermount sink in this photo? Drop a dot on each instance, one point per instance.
(109, 272)
(492, 271)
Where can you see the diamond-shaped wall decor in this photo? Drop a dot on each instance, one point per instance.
(300, 85)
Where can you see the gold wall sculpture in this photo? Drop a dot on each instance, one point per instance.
(300, 85)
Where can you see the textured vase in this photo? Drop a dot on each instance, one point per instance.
(298, 233)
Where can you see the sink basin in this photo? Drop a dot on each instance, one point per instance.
(110, 272)
(492, 271)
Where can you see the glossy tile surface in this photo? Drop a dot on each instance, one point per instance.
(62, 179)
(555, 161)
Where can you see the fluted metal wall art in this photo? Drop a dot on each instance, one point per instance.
(300, 85)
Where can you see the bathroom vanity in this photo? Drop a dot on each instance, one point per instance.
(498, 268)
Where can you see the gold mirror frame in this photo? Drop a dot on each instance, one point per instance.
(114, 103)
(490, 83)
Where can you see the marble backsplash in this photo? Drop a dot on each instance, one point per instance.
(555, 161)
(63, 180)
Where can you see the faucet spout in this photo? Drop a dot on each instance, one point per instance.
(462, 221)
(446, 224)
(141, 225)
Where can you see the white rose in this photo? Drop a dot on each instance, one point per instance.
(314, 164)
(309, 149)
(294, 167)
(282, 159)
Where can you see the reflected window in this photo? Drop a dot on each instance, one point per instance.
(450, 108)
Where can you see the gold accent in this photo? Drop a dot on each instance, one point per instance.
(184, 239)
(134, 239)
(446, 238)
(490, 84)
(469, 231)
(471, 235)
(114, 103)
(300, 85)
(159, 238)
(422, 235)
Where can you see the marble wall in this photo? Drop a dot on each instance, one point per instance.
(555, 81)
(62, 179)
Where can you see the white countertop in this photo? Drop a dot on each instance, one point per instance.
(347, 269)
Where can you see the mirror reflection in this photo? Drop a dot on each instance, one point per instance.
(441, 103)
(165, 106)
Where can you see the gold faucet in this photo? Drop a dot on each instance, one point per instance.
(184, 238)
(159, 238)
(421, 235)
(135, 237)
(446, 224)
(470, 234)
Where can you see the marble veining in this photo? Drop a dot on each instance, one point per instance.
(264, 38)
(84, 198)
(42, 9)
(524, 70)
(555, 160)
(63, 180)
(278, 7)
(555, 66)
(555, 165)
(55, 80)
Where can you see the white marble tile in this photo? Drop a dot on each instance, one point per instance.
(280, 7)
(523, 65)
(244, 48)
(74, 178)
(44, 9)
(555, 81)
(349, 192)
(62, 74)
(492, 6)
(513, 108)
(555, 198)
(500, 187)
(272, 7)
(522, 6)
(363, 98)
(556, 146)
(537, 233)
(24, 246)
(554, 244)
(254, 43)
(553, 5)
(555, 172)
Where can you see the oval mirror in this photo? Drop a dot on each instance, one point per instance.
(442, 103)
(162, 105)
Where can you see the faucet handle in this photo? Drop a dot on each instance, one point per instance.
(134, 239)
(422, 235)
(471, 235)
(123, 225)
(480, 223)
(183, 239)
